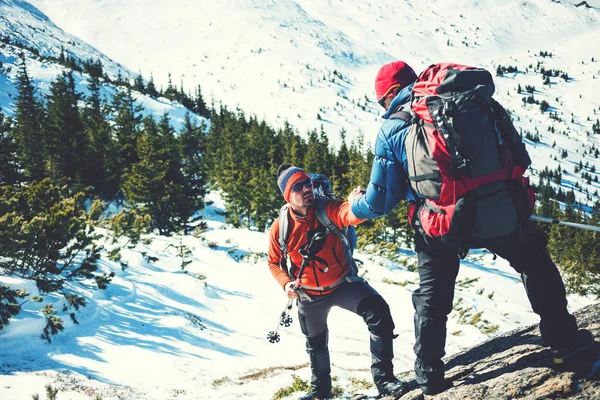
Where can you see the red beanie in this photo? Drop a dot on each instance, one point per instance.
(394, 73)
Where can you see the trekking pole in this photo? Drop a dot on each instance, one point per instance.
(284, 320)
(555, 221)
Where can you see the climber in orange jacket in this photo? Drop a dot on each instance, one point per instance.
(317, 272)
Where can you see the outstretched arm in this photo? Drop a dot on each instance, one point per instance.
(387, 184)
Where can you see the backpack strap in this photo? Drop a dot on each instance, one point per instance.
(326, 221)
(403, 115)
(284, 233)
(351, 275)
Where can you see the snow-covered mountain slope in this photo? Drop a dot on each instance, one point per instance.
(157, 333)
(313, 62)
(20, 22)
(276, 59)
(38, 39)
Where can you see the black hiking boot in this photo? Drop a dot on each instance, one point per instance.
(431, 389)
(314, 394)
(572, 351)
(394, 388)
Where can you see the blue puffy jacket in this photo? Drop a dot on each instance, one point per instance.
(389, 173)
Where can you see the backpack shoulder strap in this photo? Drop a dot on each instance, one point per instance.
(326, 221)
(284, 225)
(284, 233)
(403, 115)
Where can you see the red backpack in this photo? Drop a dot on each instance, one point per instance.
(465, 157)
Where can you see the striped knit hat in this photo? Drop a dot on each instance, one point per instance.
(287, 176)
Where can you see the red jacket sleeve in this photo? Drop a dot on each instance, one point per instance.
(274, 256)
(340, 213)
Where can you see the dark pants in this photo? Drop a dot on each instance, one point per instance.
(438, 266)
(361, 299)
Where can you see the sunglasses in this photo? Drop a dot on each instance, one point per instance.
(393, 90)
(300, 186)
(381, 101)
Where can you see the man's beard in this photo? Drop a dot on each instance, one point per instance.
(308, 200)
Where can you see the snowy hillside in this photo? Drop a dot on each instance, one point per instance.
(23, 23)
(304, 60)
(158, 333)
(44, 72)
(291, 60)
(313, 62)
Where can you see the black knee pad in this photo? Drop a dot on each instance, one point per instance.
(376, 313)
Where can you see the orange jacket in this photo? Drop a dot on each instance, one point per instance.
(332, 251)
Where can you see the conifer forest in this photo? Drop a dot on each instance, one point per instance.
(65, 157)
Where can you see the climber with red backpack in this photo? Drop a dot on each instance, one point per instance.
(311, 260)
(449, 149)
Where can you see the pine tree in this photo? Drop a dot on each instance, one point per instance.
(65, 140)
(156, 181)
(214, 143)
(126, 129)
(171, 91)
(294, 146)
(192, 144)
(266, 197)
(101, 166)
(9, 164)
(312, 161)
(151, 88)
(340, 182)
(138, 84)
(185, 100)
(181, 206)
(29, 128)
(577, 252)
(145, 183)
(325, 155)
(42, 240)
(200, 107)
(93, 68)
(359, 163)
(234, 164)
(119, 80)
(264, 158)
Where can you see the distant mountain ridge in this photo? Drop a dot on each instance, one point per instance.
(22, 23)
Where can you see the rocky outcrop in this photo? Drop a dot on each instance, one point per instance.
(517, 365)
(584, 4)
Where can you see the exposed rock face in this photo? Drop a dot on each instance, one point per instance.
(583, 3)
(517, 365)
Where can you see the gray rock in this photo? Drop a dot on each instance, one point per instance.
(517, 365)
